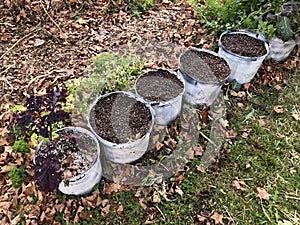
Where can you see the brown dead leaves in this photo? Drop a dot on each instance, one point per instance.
(279, 109)
(215, 218)
(296, 112)
(240, 185)
(218, 218)
(262, 194)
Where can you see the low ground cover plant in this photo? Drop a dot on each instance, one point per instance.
(108, 73)
(219, 16)
(21, 146)
(17, 175)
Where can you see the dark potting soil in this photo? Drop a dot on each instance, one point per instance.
(119, 118)
(244, 45)
(203, 66)
(158, 86)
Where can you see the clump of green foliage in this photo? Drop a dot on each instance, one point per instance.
(224, 15)
(135, 6)
(21, 146)
(17, 175)
(108, 73)
(139, 6)
(284, 23)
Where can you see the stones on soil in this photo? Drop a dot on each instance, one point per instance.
(73, 151)
(203, 66)
(244, 45)
(159, 86)
(119, 118)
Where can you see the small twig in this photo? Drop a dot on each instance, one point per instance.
(164, 217)
(50, 17)
(44, 75)
(207, 138)
(6, 81)
(8, 24)
(292, 197)
(15, 44)
(4, 71)
(56, 78)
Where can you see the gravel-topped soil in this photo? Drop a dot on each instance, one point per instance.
(203, 66)
(74, 151)
(159, 85)
(119, 118)
(244, 45)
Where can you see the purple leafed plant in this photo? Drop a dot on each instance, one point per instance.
(40, 117)
(49, 159)
(42, 112)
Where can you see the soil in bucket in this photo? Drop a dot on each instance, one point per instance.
(244, 45)
(159, 86)
(73, 151)
(121, 119)
(203, 66)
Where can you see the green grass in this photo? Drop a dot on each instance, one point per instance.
(268, 158)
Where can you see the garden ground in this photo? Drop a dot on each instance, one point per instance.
(256, 177)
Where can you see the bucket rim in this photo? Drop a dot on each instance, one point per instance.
(195, 81)
(126, 144)
(255, 34)
(161, 103)
(81, 130)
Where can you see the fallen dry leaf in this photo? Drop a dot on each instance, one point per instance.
(245, 135)
(277, 87)
(279, 109)
(248, 165)
(5, 137)
(262, 122)
(293, 170)
(296, 116)
(296, 112)
(179, 191)
(238, 185)
(81, 21)
(156, 197)
(143, 205)
(191, 153)
(218, 218)
(262, 193)
(120, 210)
(240, 104)
(230, 134)
(77, 215)
(202, 218)
(109, 188)
(39, 42)
(105, 210)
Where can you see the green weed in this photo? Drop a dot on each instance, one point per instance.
(17, 175)
(224, 15)
(108, 73)
(21, 146)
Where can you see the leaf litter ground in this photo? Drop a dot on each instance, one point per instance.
(38, 51)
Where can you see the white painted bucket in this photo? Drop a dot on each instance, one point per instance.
(243, 68)
(165, 111)
(122, 152)
(197, 91)
(83, 183)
